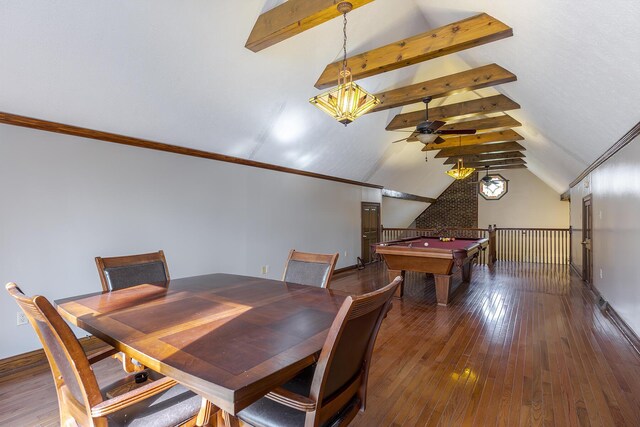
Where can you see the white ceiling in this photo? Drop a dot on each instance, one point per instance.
(178, 72)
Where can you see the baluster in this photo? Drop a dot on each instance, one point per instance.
(546, 244)
(513, 245)
(519, 234)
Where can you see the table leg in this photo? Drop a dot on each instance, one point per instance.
(443, 287)
(392, 275)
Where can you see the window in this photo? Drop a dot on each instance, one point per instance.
(493, 188)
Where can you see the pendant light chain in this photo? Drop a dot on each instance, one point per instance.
(347, 101)
(344, 42)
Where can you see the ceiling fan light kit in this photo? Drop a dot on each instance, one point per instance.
(427, 138)
(347, 101)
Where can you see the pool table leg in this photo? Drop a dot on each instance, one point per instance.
(443, 287)
(466, 271)
(392, 275)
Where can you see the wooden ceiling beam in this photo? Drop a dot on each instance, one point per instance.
(451, 38)
(476, 78)
(504, 121)
(290, 18)
(495, 168)
(483, 157)
(480, 149)
(480, 138)
(475, 107)
(481, 165)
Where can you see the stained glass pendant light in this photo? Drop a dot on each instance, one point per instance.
(347, 101)
(460, 172)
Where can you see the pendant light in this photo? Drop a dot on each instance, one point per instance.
(347, 101)
(460, 172)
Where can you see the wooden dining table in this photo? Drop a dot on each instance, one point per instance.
(229, 338)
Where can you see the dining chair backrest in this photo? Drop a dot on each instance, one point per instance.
(343, 366)
(126, 271)
(310, 269)
(75, 382)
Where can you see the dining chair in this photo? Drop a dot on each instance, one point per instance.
(310, 269)
(159, 401)
(332, 391)
(131, 270)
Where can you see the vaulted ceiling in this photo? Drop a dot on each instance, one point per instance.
(178, 72)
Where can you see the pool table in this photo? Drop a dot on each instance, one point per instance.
(430, 255)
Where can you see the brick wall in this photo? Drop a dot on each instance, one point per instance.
(457, 206)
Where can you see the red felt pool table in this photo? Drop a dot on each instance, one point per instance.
(430, 255)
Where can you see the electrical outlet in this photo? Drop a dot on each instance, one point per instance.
(601, 274)
(345, 254)
(265, 269)
(21, 318)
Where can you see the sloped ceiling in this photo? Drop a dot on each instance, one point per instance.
(178, 72)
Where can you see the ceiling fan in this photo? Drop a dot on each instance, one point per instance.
(487, 180)
(427, 131)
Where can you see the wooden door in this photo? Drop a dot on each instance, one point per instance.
(587, 244)
(370, 229)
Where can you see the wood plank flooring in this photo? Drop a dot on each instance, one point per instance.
(523, 344)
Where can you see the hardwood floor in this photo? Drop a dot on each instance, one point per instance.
(523, 344)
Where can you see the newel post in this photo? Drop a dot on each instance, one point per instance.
(492, 245)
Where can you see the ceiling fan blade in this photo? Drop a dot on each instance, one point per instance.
(412, 131)
(439, 140)
(399, 140)
(435, 125)
(456, 132)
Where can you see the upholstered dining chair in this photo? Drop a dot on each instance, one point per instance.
(334, 390)
(310, 269)
(130, 270)
(159, 401)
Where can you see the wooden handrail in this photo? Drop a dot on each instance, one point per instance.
(533, 228)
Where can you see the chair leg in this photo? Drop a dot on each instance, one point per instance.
(230, 420)
(204, 416)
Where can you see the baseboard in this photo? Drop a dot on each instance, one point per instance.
(37, 359)
(575, 269)
(628, 333)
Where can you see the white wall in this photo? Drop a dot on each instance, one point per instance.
(529, 203)
(67, 200)
(615, 191)
(398, 213)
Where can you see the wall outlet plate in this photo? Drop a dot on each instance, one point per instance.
(265, 269)
(21, 318)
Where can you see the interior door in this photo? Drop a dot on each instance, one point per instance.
(370, 229)
(587, 244)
